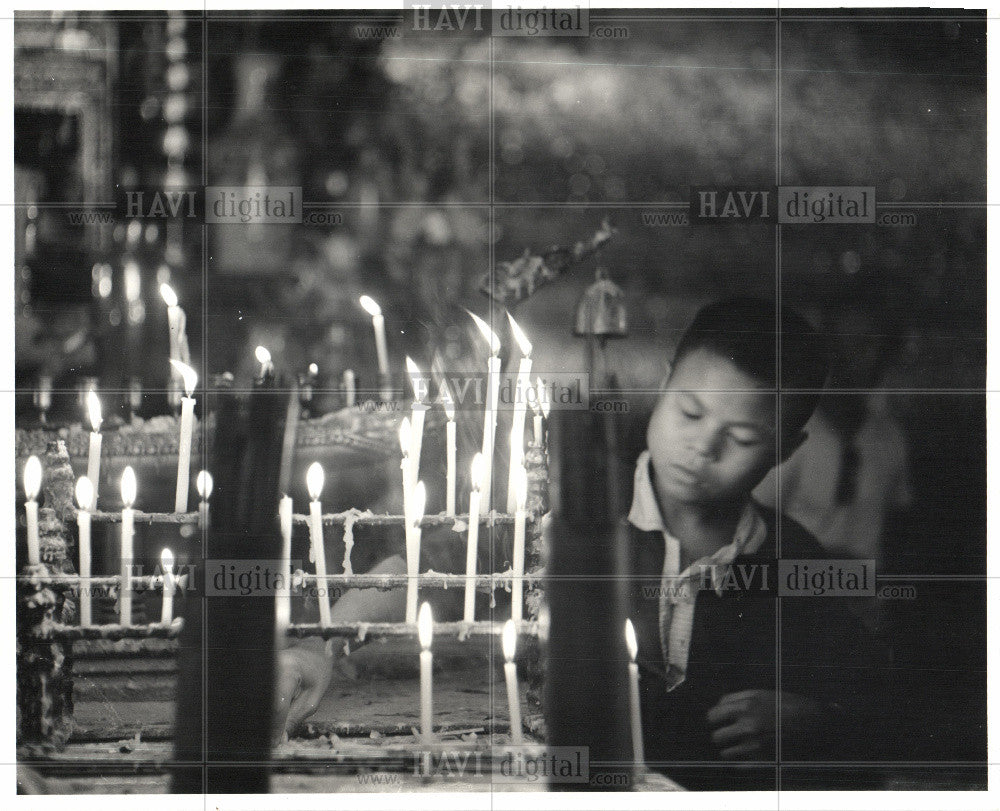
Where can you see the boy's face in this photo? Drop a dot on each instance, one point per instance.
(712, 434)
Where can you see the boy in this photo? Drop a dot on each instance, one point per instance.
(716, 684)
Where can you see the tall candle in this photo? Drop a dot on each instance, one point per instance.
(425, 632)
(314, 483)
(204, 484)
(378, 325)
(167, 611)
(413, 550)
(187, 428)
(517, 583)
(404, 465)
(472, 546)
(32, 484)
(449, 409)
(520, 410)
(350, 388)
(283, 608)
(84, 498)
(419, 385)
(633, 694)
(510, 672)
(129, 488)
(94, 457)
(490, 416)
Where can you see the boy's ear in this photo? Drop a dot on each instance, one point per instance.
(792, 444)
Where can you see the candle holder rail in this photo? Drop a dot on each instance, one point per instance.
(484, 583)
(362, 631)
(354, 518)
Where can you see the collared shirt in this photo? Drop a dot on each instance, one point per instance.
(677, 588)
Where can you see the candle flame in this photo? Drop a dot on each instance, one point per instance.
(314, 369)
(630, 640)
(168, 295)
(84, 493)
(520, 486)
(543, 399)
(263, 355)
(416, 379)
(488, 334)
(314, 480)
(419, 502)
(478, 471)
(190, 376)
(404, 436)
(444, 393)
(522, 340)
(167, 561)
(94, 410)
(204, 484)
(425, 626)
(544, 622)
(32, 477)
(509, 640)
(370, 305)
(129, 486)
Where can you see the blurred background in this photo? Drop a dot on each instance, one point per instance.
(444, 153)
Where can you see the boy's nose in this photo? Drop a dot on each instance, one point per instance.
(705, 446)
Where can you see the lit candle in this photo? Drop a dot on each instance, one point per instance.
(314, 484)
(510, 671)
(94, 457)
(187, 428)
(404, 464)
(520, 410)
(449, 410)
(203, 482)
(263, 356)
(633, 681)
(490, 417)
(350, 388)
(84, 498)
(425, 632)
(129, 488)
(177, 324)
(517, 583)
(283, 612)
(167, 612)
(419, 384)
(32, 484)
(413, 550)
(478, 474)
(378, 324)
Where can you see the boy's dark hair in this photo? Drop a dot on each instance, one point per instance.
(742, 330)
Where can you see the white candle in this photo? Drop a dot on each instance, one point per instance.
(517, 583)
(490, 416)
(167, 612)
(633, 682)
(449, 410)
(204, 484)
(419, 384)
(187, 428)
(94, 457)
(520, 410)
(510, 672)
(378, 325)
(129, 488)
(84, 498)
(425, 631)
(263, 356)
(413, 550)
(32, 484)
(283, 608)
(350, 388)
(404, 465)
(314, 483)
(472, 546)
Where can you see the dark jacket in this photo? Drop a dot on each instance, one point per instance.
(824, 653)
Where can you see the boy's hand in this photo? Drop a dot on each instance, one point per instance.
(304, 673)
(744, 722)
